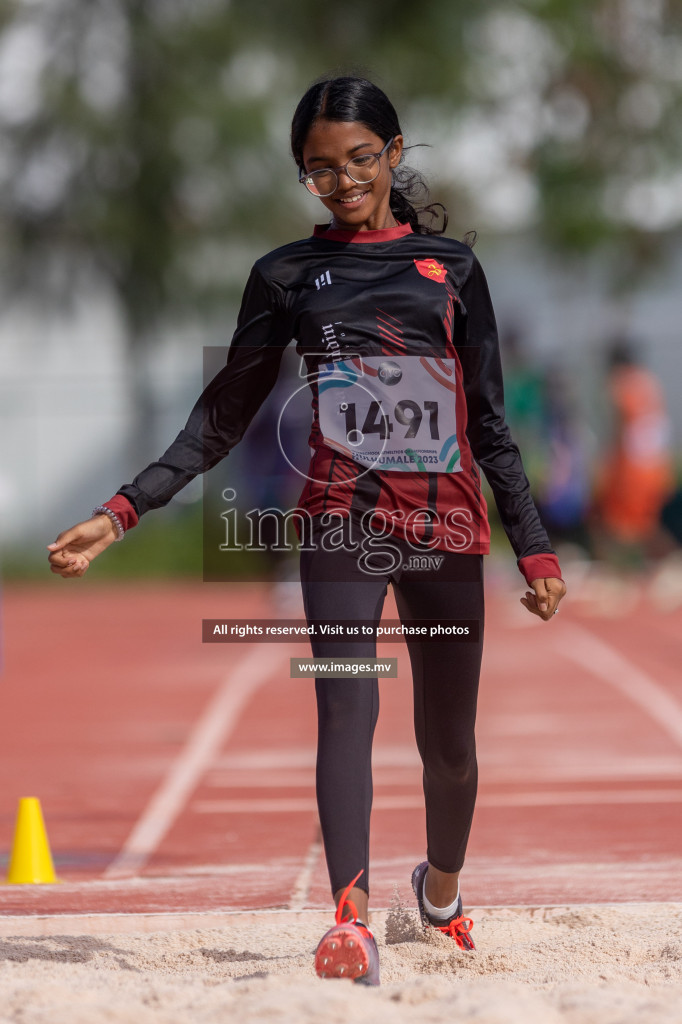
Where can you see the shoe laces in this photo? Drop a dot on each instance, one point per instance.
(347, 906)
(457, 929)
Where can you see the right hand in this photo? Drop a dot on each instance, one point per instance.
(74, 549)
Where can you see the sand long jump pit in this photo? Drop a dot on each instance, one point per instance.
(590, 964)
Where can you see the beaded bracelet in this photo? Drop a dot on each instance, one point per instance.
(103, 510)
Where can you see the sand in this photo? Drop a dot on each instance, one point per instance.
(616, 964)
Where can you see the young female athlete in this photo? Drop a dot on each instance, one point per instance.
(398, 334)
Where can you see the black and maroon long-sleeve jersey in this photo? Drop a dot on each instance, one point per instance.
(399, 342)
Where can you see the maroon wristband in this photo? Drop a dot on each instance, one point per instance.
(124, 511)
(540, 567)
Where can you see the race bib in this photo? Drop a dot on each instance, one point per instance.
(391, 413)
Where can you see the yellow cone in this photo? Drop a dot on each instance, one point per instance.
(31, 860)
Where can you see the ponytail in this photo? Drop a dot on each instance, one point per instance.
(403, 210)
(423, 218)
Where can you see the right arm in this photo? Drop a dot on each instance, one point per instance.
(216, 424)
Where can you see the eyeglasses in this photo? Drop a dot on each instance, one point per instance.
(361, 170)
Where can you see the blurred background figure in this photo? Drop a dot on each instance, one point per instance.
(523, 396)
(270, 467)
(564, 489)
(635, 478)
(546, 422)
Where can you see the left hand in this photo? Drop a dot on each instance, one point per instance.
(544, 598)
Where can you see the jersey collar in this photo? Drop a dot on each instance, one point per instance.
(346, 235)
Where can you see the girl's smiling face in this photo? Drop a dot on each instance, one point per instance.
(353, 206)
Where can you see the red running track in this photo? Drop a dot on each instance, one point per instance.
(176, 775)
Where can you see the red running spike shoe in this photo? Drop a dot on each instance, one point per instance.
(348, 950)
(457, 927)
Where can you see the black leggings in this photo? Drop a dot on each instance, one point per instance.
(445, 682)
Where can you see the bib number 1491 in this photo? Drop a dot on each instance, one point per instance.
(406, 412)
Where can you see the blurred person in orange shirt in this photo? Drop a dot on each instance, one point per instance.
(636, 477)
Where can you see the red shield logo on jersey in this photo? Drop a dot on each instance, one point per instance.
(432, 269)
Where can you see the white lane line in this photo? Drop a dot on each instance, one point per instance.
(409, 801)
(289, 805)
(301, 889)
(303, 779)
(264, 770)
(582, 647)
(577, 797)
(278, 758)
(202, 746)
